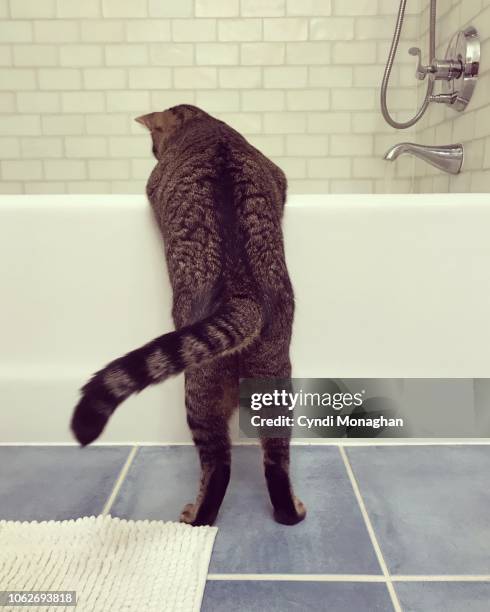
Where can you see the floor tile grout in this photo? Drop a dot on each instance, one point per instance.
(346, 578)
(299, 577)
(371, 532)
(119, 481)
(441, 578)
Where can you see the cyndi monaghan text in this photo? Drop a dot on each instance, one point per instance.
(333, 420)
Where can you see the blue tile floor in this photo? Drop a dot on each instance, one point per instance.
(388, 527)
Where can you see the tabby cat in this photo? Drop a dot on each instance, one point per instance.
(218, 202)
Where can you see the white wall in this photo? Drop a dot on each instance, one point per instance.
(300, 78)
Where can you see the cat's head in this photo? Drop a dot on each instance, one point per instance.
(164, 124)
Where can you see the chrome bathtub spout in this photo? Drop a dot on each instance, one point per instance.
(448, 158)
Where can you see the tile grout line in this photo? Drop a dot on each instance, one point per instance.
(441, 578)
(119, 481)
(349, 577)
(370, 529)
(299, 577)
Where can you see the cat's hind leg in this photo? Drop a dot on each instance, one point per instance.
(287, 508)
(211, 394)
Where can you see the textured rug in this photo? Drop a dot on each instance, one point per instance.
(112, 564)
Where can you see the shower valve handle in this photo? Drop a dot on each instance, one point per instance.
(441, 70)
(421, 70)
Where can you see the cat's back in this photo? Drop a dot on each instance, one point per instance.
(208, 145)
(249, 164)
(215, 139)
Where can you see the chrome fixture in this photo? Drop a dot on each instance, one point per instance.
(448, 158)
(458, 71)
(458, 75)
(461, 79)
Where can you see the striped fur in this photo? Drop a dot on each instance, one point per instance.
(218, 203)
(230, 330)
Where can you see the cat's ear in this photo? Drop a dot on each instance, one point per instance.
(147, 120)
(158, 128)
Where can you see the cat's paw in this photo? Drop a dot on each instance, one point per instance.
(288, 517)
(188, 514)
(191, 515)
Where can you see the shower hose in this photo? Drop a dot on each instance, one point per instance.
(391, 59)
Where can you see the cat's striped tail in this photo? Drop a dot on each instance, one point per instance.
(231, 328)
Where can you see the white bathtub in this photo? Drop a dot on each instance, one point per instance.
(386, 286)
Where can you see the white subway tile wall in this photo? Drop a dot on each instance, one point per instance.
(300, 79)
(442, 125)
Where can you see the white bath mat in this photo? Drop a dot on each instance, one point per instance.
(113, 564)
